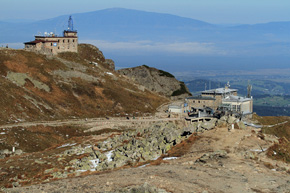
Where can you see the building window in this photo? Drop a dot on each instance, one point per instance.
(50, 44)
(58, 41)
(198, 101)
(67, 41)
(63, 41)
(58, 47)
(73, 40)
(234, 108)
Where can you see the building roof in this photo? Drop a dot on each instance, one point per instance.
(58, 37)
(201, 98)
(233, 98)
(34, 42)
(40, 41)
(219, 91)
(174, 107)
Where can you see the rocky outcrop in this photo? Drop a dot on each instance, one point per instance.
(131, 147)
(94, 55)
(158, 81)
(5, 153)
(213, 156)
(143, 188)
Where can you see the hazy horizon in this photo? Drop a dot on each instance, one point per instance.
(168, 42)
(212, 11)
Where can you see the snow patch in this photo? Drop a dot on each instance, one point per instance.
(95, 163)
(259, 150)
(66, 145)
(109, 73)
(156, 158)
(170, 158)
(109, 155)
(143, 166)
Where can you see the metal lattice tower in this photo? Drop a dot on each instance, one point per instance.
(70, 24)
(249, 89)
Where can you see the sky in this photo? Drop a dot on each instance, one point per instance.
(212, 11)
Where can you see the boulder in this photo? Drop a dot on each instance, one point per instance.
(221, 123)
(18, 152)
(188, 130)
(6, 151)
(208, 125)
(231, 120)
(212, 156)
(241, 125)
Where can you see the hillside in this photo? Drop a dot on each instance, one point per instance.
(37, 87)
(160, 157)
(157, 80)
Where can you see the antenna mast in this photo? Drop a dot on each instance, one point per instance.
(249, 89)
(70, 24)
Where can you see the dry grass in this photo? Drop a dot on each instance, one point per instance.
(183, 147)
(74, 98)
(281, 150)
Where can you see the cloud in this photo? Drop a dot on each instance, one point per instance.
(188, 48)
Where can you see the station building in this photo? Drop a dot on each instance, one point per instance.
(51, 44)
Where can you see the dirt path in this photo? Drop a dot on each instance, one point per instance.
(89, 122)
(234, 173)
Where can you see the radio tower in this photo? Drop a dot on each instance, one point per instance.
(70, 24)
(249, 89)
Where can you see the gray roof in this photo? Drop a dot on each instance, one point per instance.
(233, 98)
(174, 107)
(220, 91)
(201, 98)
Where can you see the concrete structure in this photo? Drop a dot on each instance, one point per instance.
(239, 104)
(211, 98)
(218, 94)
(201, 102)
(52, 44)
(214, 98)
(175, 109)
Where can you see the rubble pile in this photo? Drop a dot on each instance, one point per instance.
(131, 147)
(225, 121)
(134, 147)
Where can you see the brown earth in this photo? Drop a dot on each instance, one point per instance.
(244, 168)
(72, 85)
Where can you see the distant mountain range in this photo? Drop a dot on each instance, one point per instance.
(119, 24)
(163, 35)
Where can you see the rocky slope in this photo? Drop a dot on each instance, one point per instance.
(212, 159)
(38, 87)
(158, 81)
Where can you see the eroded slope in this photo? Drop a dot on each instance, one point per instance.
(37, 87)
